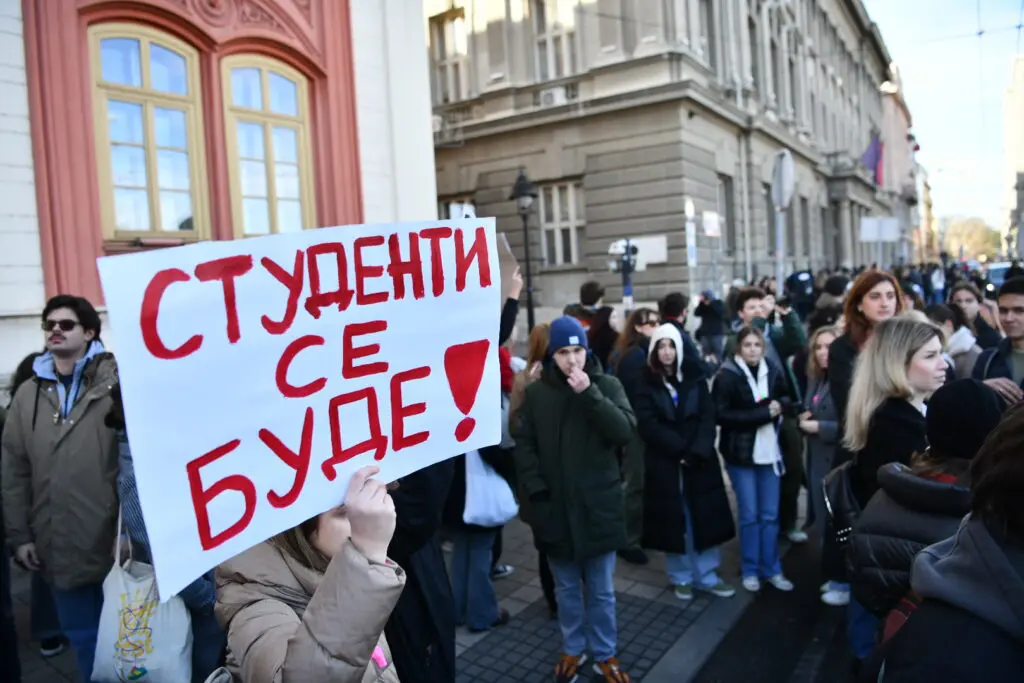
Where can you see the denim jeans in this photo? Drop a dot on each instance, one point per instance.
(79, 611)
(10, 662)
(861, 630)
(692, 568)
(592, 625)
(757, 497)
(476, 603)
(208, 641)
(45, 622)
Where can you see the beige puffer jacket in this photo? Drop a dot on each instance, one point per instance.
(287, 623)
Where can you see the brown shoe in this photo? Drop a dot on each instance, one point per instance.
(568, 668)
(611, 672)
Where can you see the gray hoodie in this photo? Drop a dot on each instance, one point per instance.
(978, 573)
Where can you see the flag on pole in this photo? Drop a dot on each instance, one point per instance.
(872, 158)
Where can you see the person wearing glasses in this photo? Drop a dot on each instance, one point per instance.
(58, 469)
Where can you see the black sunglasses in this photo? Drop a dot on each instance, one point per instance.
(65, 325)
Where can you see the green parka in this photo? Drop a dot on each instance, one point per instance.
(567, 459)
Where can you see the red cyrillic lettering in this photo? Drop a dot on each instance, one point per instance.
(463, 259)
(293, 281)
(293, 349)
(397, 268)
(365, 272)
(298, 460)
(226, 270)
(317, 299)
(434, 236)
(201, 497)
(150, 311)
(351, 353)
(399, 411)
(377, 441)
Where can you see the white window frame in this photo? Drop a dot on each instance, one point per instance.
(447, 59)
(575, 223)
(547, 34)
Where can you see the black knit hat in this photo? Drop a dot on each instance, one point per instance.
(960, 416)
(836, 285)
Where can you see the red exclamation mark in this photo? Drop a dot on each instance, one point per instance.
(464, 365)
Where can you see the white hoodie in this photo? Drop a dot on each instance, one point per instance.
(671, 332)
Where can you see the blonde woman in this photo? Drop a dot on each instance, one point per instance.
(898, 369)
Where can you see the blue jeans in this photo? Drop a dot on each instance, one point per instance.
(861, 629)
(208, 640)
(45, 622)
(757, 497)
(10, 662)
(593, 625)
(79, 611)
(692, 568)
(476, 603)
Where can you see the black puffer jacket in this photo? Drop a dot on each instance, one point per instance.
(907, 514)
(739, 414)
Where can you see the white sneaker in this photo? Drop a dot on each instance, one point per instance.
(781, 583)
(797, 536)
(836, 598)
(752, 584)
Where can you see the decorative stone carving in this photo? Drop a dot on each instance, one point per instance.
(251, 14)
(216, 12)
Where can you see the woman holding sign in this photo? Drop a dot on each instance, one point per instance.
(310, 604)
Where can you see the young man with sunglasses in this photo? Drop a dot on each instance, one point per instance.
(58, 469)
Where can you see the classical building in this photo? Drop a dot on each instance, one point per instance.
(899, 167)
(141, 124)
(622, 111)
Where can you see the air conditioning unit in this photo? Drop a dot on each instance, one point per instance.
(553, 97)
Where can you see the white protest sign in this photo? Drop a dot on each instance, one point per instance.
(258, 374)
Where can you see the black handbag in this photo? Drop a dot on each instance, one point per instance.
(842, 505)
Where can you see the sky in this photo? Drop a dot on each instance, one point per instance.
(955, 83)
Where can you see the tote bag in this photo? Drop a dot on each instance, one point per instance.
(139, 638)
(489, 499)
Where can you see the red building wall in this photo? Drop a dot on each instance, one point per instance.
(312, 36)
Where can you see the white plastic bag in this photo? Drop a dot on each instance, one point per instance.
(139, 638)
(489, 499)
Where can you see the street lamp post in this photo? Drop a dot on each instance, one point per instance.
(524, 193)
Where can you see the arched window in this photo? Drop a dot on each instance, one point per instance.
(266, 116)
(149, 134)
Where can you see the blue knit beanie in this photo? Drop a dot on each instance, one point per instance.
(566, 331)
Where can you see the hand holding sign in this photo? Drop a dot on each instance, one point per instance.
(259, 374)
(371, 514)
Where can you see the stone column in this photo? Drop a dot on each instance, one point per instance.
(693, 18)
(721, 56)
(768, 96)
(681, 20)
(846, 254)
(742, 38)
(786, 87)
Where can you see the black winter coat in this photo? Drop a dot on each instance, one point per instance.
(740, 415)
(897, 431)
(676, 433)
(421, 628)
(908, 513)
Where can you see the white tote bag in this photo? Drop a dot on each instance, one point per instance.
(489, 499)
(139, 638)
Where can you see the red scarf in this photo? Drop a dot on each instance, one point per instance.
(507, 376)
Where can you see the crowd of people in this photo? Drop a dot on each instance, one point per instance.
(895, 409)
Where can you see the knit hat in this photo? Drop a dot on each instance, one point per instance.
(836, 285)
(960, 416)
(566, 331)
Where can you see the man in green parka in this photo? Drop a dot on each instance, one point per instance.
(573, 424)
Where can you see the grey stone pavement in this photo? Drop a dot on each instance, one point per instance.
(661, 639)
